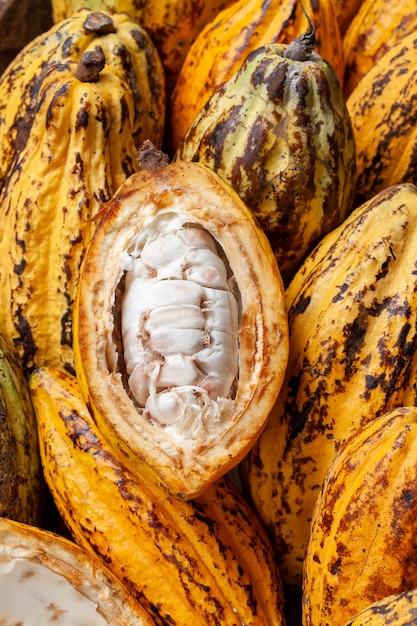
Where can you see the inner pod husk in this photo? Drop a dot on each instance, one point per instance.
(212, 436)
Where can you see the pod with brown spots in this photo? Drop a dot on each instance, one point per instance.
(375, 29)
(352, 310)
(397, 610)
(383, 114)
(127, 49)
(362, 544)
(172, 25)
(279, 133)
(203, 562)
(220, 48)
(81, 147)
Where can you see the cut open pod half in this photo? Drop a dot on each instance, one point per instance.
(46, 579)
(180, 328)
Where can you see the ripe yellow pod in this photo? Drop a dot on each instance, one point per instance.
(180, 328)
(362, 544)
(383, 120)
(172, 25)
(352, 314)
(81, 146)
(375, 29)
(205, 562)
(128, 51)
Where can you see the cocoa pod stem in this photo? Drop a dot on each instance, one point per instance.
(99, 23)
(150, 158)
(301, 47)
(90, 65)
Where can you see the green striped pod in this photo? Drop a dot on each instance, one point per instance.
(279, 133)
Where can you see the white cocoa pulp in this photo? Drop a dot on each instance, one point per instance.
(32, 594)
(180, 325)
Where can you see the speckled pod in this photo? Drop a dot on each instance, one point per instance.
(205, 562)
(396, 610)
(352, 310)
(172, 25)
(374, 30)
(80, 148)
(279, 133)
(362, 544)
(127, 49)
(383, 117)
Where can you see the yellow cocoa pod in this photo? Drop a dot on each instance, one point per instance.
(44, 577)
(21, 481)
(279, 133)
(219, 50)
(382, 112)
(203, 562)
(352, 314)
(362, 544)
(80, 148)
(375, 29)
(398, 610)
(180, 329)
(172, 25)
(128, 50)
(345, 12)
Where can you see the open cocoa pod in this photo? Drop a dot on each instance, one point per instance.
(180, 328)
(46, 579)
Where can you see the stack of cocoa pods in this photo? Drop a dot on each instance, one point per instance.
(208, 320)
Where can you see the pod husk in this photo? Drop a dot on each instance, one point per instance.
(184, 466)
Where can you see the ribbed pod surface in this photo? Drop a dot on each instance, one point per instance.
(80, 148)
(202, 562)
(374, 30)
(279, 133)
(127, 49)
(362, 544)
(221, 47)
(353, 339)
(383, 117)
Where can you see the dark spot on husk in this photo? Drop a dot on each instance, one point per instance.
(82, 118)
(301, 305)
(50, 114)
(24, 344)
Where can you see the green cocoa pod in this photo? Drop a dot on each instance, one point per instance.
(279, 133)
(21, 483)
